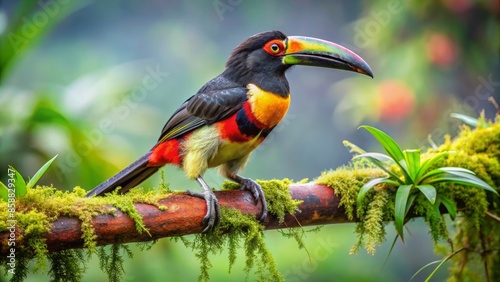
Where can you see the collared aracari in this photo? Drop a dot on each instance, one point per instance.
(232, 114)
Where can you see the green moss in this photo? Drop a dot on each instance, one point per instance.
(346, 182)
(242, 228)
(477, 233)
(41, 206)
(67, 265)
(477, 150)
(236, 227)
(377, 206)
(433, 218)
(278, 196)
(111, 261)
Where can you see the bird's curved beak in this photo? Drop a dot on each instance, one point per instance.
(309, 51)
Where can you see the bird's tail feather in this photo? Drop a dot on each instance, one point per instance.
(128, 178)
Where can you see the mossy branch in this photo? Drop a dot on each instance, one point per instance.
(47, 220)
(183, 215)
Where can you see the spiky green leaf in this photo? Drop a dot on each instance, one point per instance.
(40, 173)
(463, 179)
(400, 208)
(427, 164)
(390, 146)
(18, 182)
(4, 192)
(470, 121)
(379, 160)
(412, 158)
(372, 183)
(378, 156)
(452, 169)
(429, 192)
(390, 250)
(410, 201)
(450, 205)
(443, 171)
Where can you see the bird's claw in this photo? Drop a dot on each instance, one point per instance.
(212, 218)
(257, 193)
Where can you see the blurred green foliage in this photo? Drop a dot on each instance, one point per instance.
(433, 58)
(70, 72)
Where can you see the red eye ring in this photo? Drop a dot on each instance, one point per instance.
(275, 47)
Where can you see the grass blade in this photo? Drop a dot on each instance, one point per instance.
(400, 208)
(40, 173)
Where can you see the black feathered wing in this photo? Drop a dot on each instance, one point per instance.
(208, 106)
(217, 100)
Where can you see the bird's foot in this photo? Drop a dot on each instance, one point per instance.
(257, 193)
(212, 218)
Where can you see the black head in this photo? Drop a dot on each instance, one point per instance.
(250, 63)
(264, 58)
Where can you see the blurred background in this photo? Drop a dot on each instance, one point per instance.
(95, 81)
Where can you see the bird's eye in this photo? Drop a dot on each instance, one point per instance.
(275, 47)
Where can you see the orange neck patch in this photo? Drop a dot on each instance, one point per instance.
(268, 108)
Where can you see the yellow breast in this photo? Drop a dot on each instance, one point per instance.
(268, 108)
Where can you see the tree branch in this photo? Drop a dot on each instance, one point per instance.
(184, 215)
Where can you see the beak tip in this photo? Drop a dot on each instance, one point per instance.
(366, 71)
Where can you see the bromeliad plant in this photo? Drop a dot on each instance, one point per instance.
(414, 177)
